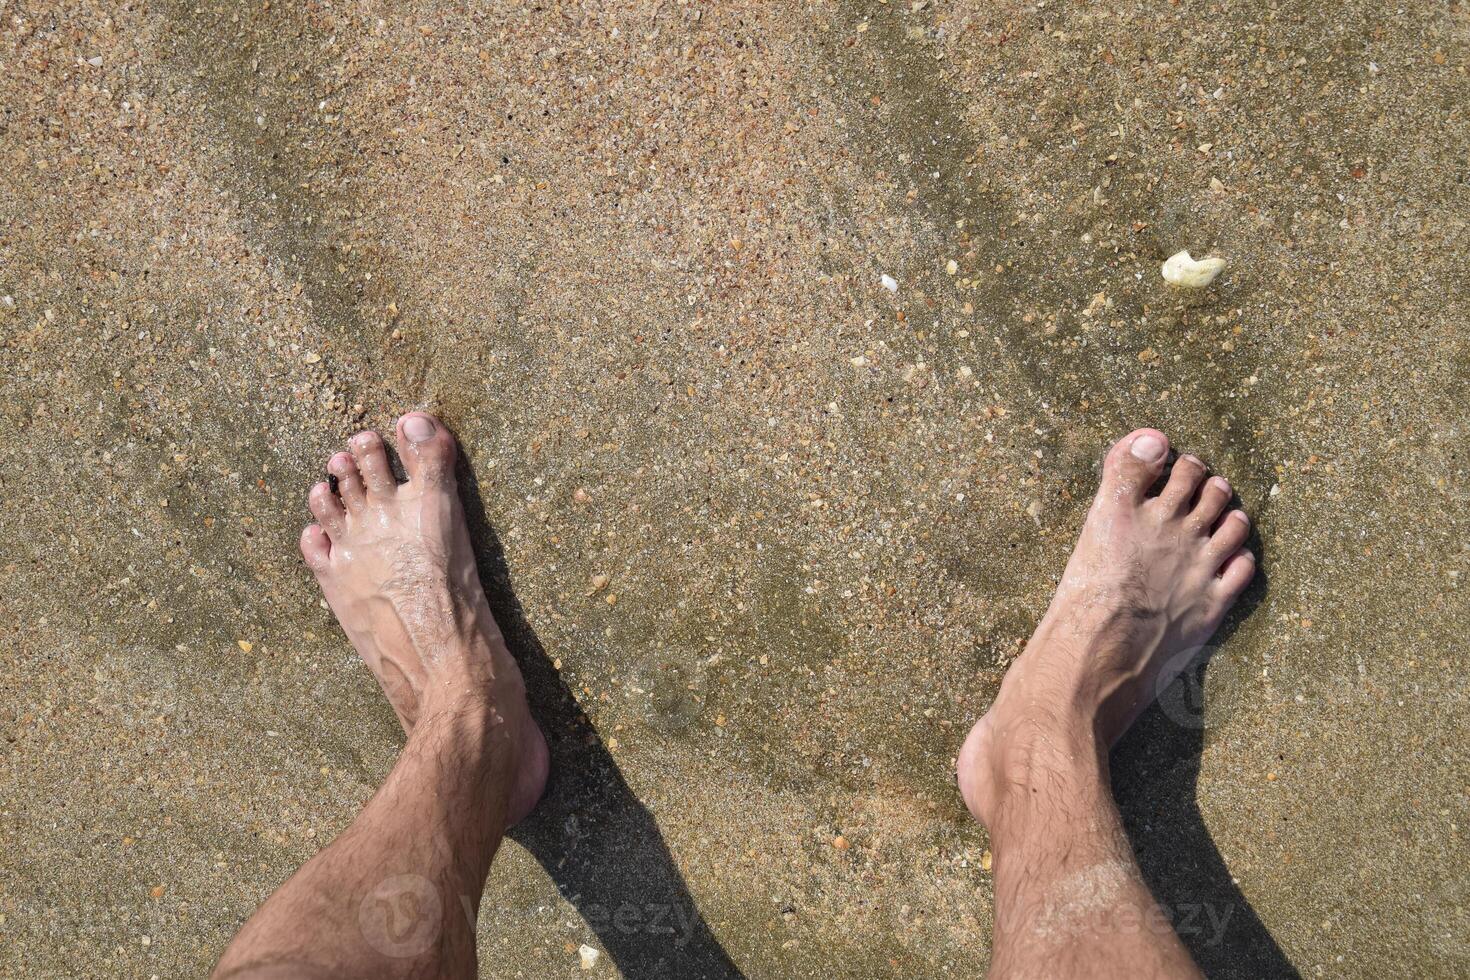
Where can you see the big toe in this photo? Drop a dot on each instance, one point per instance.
(1133, 464)
(426, 448)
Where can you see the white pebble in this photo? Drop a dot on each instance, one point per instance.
(890, 283)
(589, 956)
(1182, 270)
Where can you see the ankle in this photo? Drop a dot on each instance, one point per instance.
(480, 726)
(490, 738)
(1077, 678)
(1032, 755)
(1021, 757)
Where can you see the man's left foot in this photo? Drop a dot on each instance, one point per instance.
(398, 571)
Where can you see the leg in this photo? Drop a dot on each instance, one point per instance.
(1148, 584)
(397, 893)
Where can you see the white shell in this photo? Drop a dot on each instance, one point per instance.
(589, 956)
(889, 283)
(1181, 270)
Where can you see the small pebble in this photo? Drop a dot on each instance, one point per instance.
(588, 955)
(889, 283)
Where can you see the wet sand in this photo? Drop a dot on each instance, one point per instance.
(633, 253)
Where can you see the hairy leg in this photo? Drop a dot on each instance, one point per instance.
(1148, 584)
(397, 894)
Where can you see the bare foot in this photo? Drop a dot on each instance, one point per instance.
(1150, 580)
(395, 563)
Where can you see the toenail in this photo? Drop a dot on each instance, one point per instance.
(418, 428)
(1240, 515)
(1150, 449)
(1221, 484)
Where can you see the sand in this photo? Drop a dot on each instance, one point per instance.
(633, 253)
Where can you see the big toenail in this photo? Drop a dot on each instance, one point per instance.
(418, 428)
(1150, 449)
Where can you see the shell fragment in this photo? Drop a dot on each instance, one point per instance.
(1183, 270)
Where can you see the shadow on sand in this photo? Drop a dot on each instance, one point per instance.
(598, 843)
(1155, 775)
(605, 853)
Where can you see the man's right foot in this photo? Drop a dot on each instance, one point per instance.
(1149, 581)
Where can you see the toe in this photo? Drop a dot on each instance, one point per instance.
(1213, 498)
(349, 481)
(372, 462)
(426, 448)
(1230, 535)
(1236, 574)
(1184, 480)
(326, 507)
(316, 547)
(1133, 464)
